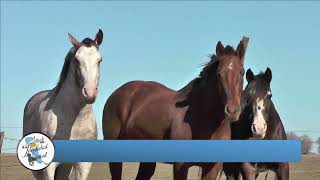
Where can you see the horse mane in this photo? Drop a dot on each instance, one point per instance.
(65, 69)
(259, 76)
(208, 68)
(89, 42)
(229, 50)
(202, 80)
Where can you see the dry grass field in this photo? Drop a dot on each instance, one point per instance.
(308, 169)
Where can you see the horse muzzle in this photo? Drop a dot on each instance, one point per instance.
(259, 131)
(232, 113)
(90, 94)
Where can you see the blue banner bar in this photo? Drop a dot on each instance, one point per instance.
(177, 151)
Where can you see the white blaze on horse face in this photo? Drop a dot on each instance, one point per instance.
(89, 58)
(230, 66)
(259, 125)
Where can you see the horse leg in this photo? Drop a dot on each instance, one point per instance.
(231, 172)
(283, 171)
(211, 171)
(82, 170)
(47, 173)
(233, 176)
(146, 171)
(63, 171)
(248, 172)
(111, 131)
(180, 171)
(115, 170)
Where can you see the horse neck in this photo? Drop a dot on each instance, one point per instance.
(68, 97)
(241, 129)
(212, 97)
(276, 130)
(208, 100)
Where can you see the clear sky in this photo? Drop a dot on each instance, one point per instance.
(164, 42)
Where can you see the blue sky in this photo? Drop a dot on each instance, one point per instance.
(164, 42)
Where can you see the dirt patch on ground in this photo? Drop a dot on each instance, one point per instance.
(11, 169)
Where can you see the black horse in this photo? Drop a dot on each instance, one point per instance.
(258, 120)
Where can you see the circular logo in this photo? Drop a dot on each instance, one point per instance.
(35, 151)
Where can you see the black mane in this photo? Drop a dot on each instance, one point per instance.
(65, 69)
(89, 42)
(261, 85)
(207, 70)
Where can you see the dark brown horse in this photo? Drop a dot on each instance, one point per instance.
(203, 109)
(259, 120)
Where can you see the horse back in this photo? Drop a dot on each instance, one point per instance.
(138, 110)
(30, 109)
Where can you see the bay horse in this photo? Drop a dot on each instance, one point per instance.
(259, 120)
(203, 109)
(65, 112)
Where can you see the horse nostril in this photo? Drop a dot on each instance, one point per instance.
(254, 128)
(85, 91)
(227, 110)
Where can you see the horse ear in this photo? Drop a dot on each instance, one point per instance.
(240, 50)
(268, 75)
(249, 75)
(219, 49)
(99, 37)
(74, 41)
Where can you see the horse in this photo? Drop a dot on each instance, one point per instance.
(258, 120)
(203, 109)
(65, 112)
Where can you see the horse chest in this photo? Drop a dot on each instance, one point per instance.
(84, 128)
(69, 126)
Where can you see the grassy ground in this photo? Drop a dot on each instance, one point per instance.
(308, 169)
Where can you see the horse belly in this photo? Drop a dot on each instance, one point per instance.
(146, 129)
(148, 125)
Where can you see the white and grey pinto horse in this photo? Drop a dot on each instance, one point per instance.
(65, 112)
